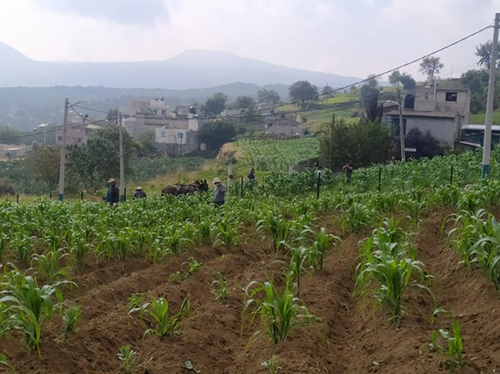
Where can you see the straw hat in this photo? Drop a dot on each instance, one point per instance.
(138, 188)
(111, 180)
(216, 180)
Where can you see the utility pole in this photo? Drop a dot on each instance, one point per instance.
(489, 102)
(331, 141)
(122, 167)
(62, 165)
(45, 133)
(401, 128)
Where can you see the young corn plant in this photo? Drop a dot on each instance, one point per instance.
(165, 324)
(297, 261)
(279, 312)
(357, 218)
(48, 265)
(271, 365)
(220, 285)
(193, 265)
(70, 320)
(128, 360)
(322, 243)
(282, 230)
(455, 345)
(226, 232)
(28, 306)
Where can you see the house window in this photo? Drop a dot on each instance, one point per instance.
(163, 112)
(59, 138)
(451, 96)
(79, 140)
(426, 96)
(163, 134)
(395, 126)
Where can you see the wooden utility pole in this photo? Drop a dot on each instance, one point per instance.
(489, 101)
(331, 141)
(62, 165)
(401, 128)
(122, 167)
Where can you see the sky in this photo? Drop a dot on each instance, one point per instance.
(346, 37)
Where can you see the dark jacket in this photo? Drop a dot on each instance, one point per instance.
(113, 195)
(139, 194)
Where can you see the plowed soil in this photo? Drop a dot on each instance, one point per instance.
(345, 340)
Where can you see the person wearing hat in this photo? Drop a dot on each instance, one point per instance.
(139, 193)
(113, 195)
(219, 192)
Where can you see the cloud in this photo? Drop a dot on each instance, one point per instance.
(118, 11)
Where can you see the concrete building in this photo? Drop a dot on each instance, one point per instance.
(440, 111)
(13, 150)
(285, 126)
(77, 132)
(178, 136)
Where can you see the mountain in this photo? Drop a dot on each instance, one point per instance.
(190, 69)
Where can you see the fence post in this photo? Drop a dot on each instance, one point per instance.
(125, 194)
(319, 182)
(81, 195)
(451, 175)
(50, 195)
(241, 187)
(17, 198)
(379, 178)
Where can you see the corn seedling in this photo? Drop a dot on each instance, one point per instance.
(176, 277)
(279, 312)
(193, 265)
(28, 306)
(164, 323)
(128, 360)
(220, 285)
(316, 253)
(271, 365)
(455, 345)
(70, 319)
(297, 261)
(48, 267)
(227, 232)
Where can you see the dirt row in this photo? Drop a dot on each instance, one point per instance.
(344, 341)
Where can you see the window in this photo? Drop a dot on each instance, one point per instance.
(426, 96)
(163, 112)
(395, 125)
(163, 134)
(451, 96)
(79, 140)
(59, 138)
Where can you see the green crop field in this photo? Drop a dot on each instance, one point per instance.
(277, 277)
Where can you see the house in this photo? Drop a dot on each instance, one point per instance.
(264, 108)
(77, 132)
(178, 137)
(440, 111)
(285, 126)
(12, 151)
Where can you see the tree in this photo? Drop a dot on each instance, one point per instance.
(215, 134)
(146, 145)
(326, 90)
(268, 96)
(405, 79)
(425, 144)
(44, 164)
(98, 160)
(244, 102)
(483, 51)
(431, 66)
(10, 135)
(369, 99)
(363, 142)
(215, 104)
(302, 90)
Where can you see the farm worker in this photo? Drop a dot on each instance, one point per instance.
(251, 175)
(139, 193)
(113, 195)
(348, 168)
(219, 192)
(319, 173)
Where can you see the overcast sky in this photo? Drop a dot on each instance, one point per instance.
(347, 37)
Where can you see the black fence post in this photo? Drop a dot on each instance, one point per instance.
(379, 178)
(81, 195)
(319, 183)
(50, 195)
(241, 188)
(125, 194)
(451, 175)
(17, 198)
